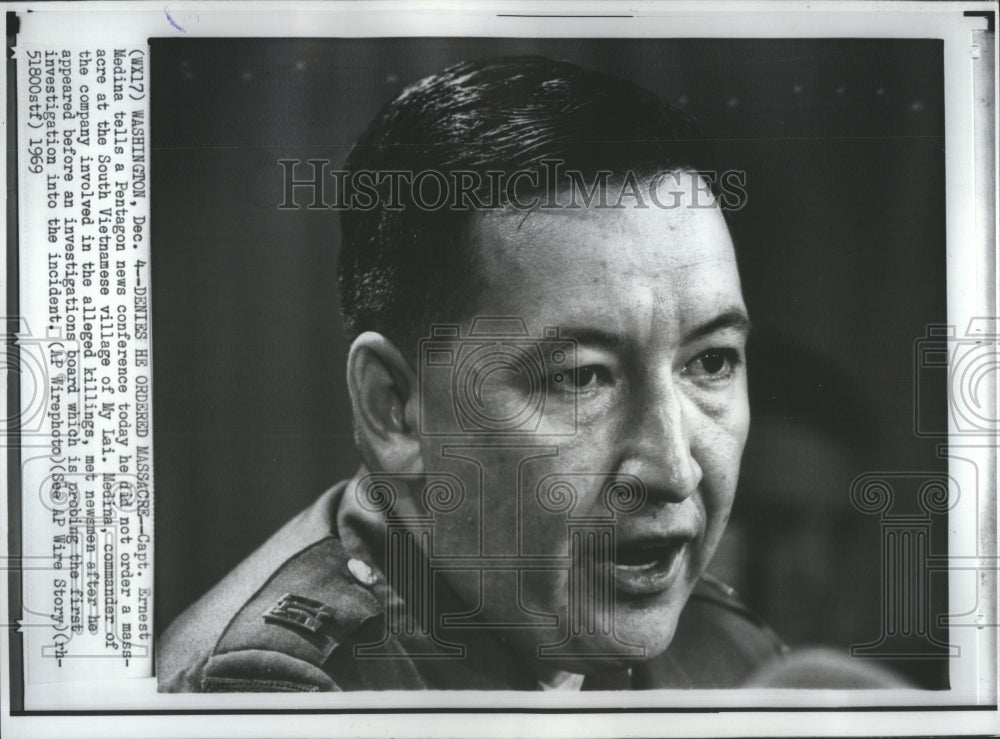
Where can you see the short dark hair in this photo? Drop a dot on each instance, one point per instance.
(402, 269)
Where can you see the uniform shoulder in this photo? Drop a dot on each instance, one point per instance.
(711, 589)
(286, 633)
(195, 632)
(280, 638)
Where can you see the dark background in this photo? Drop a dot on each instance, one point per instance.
(841, 248)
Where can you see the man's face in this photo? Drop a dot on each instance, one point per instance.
(657, 393)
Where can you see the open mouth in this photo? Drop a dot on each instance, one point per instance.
(644, 567)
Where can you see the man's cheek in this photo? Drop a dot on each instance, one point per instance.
(543, 532)
(720, 446)
(544, 591)
(739, 415)
(592, 448)
(456, 534)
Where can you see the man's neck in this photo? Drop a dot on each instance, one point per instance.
(361, 531)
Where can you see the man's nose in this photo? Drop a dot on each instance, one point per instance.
(659, 449)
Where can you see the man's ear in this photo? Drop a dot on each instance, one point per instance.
(383, 391)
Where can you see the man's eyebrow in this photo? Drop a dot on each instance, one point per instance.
(731, 318)
(593, 337)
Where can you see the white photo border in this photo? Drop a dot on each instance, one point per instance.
(133, 707)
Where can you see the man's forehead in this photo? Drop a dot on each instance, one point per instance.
(623, 271)
(673, 236)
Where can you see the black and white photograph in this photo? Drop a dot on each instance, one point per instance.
(555, 362)
(595, 336)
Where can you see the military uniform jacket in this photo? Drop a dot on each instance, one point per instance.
(303, 614)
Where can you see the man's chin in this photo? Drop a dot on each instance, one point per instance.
(639, 635)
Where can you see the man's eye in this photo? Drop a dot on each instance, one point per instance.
(715, 364)
(579, 379)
